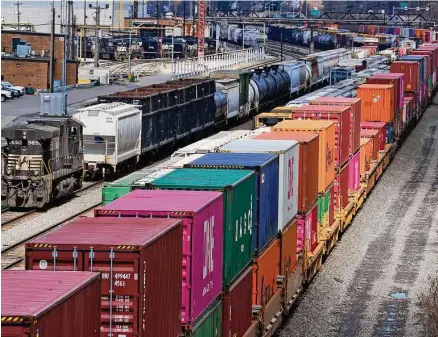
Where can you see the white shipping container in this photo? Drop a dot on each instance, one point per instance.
(288, 155)
(210, 144)
(112, 133)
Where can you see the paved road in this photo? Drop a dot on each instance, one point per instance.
(28, 105)
(370, 283)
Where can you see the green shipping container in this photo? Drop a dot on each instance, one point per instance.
(120, 187)
(323, 204)
(209, 324)
(240, 191)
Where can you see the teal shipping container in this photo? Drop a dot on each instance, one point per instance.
(240, 209)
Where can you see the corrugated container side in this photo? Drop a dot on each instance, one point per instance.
(71, 308)
(210, 323)
(266, 167)
(237, 306)
(375, 136)
(265, 272)
(125, 252)
(308, 164)
(239, 189)
(326, 131)
(354, 173)
(307, 229)
(396, 82)
(341, 115)
(288, 249)
(377, 102)
(341, 188)
(411, 71)
(366, 153)
(288, 154)
(355, 104)
(383, 131)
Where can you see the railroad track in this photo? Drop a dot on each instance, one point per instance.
(11, 215)
(13, 256)
(274, 48)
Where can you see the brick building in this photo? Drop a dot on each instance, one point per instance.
(34, 71)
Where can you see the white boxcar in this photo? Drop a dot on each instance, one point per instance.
(112, 134)
(288, 155)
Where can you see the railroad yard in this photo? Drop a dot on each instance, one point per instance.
(206, 170)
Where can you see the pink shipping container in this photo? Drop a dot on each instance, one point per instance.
(307, 229)
(202, 215)
(50, 304)
(237, 305)
(140, 262)
(341, 188)
(354, 173)
(381, 126)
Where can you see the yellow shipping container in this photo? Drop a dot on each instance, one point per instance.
(326, 131)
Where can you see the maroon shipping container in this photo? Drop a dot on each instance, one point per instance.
(331, 217)
(429, 58)
(140, 262)
(341, 188)
(375, 135)
(411, 71)
(397, 80)
(50, 304)
(381, 126)
(237, 306)
(341, 115)
(355, 117)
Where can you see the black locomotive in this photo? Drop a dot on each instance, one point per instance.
(42, 161)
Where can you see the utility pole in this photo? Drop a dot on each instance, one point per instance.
(18, 13)
(184, 18)
(73, 33)
(84, 35)
(193, 17)
(52, 49)
(97, 31)
(281, 44)
(69, 18)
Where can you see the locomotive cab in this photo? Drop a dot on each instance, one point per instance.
(43, 161)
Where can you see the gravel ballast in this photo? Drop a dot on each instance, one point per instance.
(370, 283)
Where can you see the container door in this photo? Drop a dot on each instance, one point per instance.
(120, 290)
(53, 259)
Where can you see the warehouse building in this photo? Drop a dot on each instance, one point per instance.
(26, 59)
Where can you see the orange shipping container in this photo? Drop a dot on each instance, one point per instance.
(366, 154)
(308, 165)
(377, 102)
(265, 272)
(374, 136)
(288, 249)
(326, 131)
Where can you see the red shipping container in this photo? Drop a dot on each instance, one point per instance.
(411, 71)
(202, 215)
(341, 115)
(50, 304)
(397, 80)
(381, 126)
(375, 136)
(307, 165)
(355, 116)
(429, 59)
(307, 229)
(414, 103)
(237, 306)
(140, 262)
(341, 188)
(331, 217)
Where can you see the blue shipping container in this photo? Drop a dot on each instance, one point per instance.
(266, 168)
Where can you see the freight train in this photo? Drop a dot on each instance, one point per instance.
(167, 109)
(259, 214)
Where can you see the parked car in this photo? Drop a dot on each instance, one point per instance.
(8, 85)
(6, 95)
(14, 93)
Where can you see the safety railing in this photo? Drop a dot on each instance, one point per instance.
(206, 64)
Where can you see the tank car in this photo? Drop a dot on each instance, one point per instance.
(43, 161)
